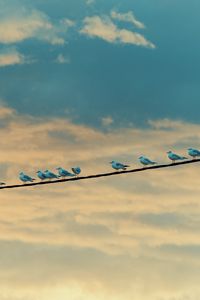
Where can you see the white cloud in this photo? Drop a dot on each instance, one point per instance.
(104, 28)
(89, 2)
(11, 57)
(61, 59)
(21, 24)
(127, 17)
(106, 121)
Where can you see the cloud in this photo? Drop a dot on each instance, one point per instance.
(6, 111)
(84, 236)
(61, 59)
(89, 2)
(104, 28)
(127, 17)
(21, 24)
(12, 57)
(106, 121)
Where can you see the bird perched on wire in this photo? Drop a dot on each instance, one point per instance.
(50, 175)
(118, 166)
(146, 161)
(173, 156)
(193, 152)
(76, 170)
(41, 175)
(64, 173)
(25, 178)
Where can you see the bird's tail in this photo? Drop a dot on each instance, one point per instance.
(125, 167)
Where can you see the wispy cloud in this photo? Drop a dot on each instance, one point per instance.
(106, 121)
(127, 17)
(89, 2)
(104, 28)
(62, 59)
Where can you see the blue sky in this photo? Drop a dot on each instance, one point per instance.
(130, 83)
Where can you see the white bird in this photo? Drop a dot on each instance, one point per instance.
(25, 178)
(64, 173)
(173, 156)
(118, 166)
(76, 170)
(193, 152)
(50, 175)
(146, 161)
(41, 175)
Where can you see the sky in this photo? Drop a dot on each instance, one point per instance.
(82, 83)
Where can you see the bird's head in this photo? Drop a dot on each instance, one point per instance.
(21, 173)
(189, 149)
(112, 162)
(168, 152)
(141, 157)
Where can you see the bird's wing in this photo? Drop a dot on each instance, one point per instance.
(26, 177)
(175, 156)
(119, 165)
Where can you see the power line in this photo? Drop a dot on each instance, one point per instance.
(101, 175)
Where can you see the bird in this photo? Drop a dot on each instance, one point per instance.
(118, 166)
(2, 183)
(76, 170)
(64, 173)
(25, 178)
(174, 156)
(50, 175)
(193, 152)
(146, 161)
(41, 175)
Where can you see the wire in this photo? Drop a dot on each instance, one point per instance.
(100, 175)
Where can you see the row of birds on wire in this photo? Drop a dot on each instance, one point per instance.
(118, 166)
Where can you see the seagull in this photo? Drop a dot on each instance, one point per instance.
(50, 175)
(146, 161)
(64, 173)
(25, 178)
(118, 166)
(41, 175)
(193, 152)
(174, 156)
(76, 170)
